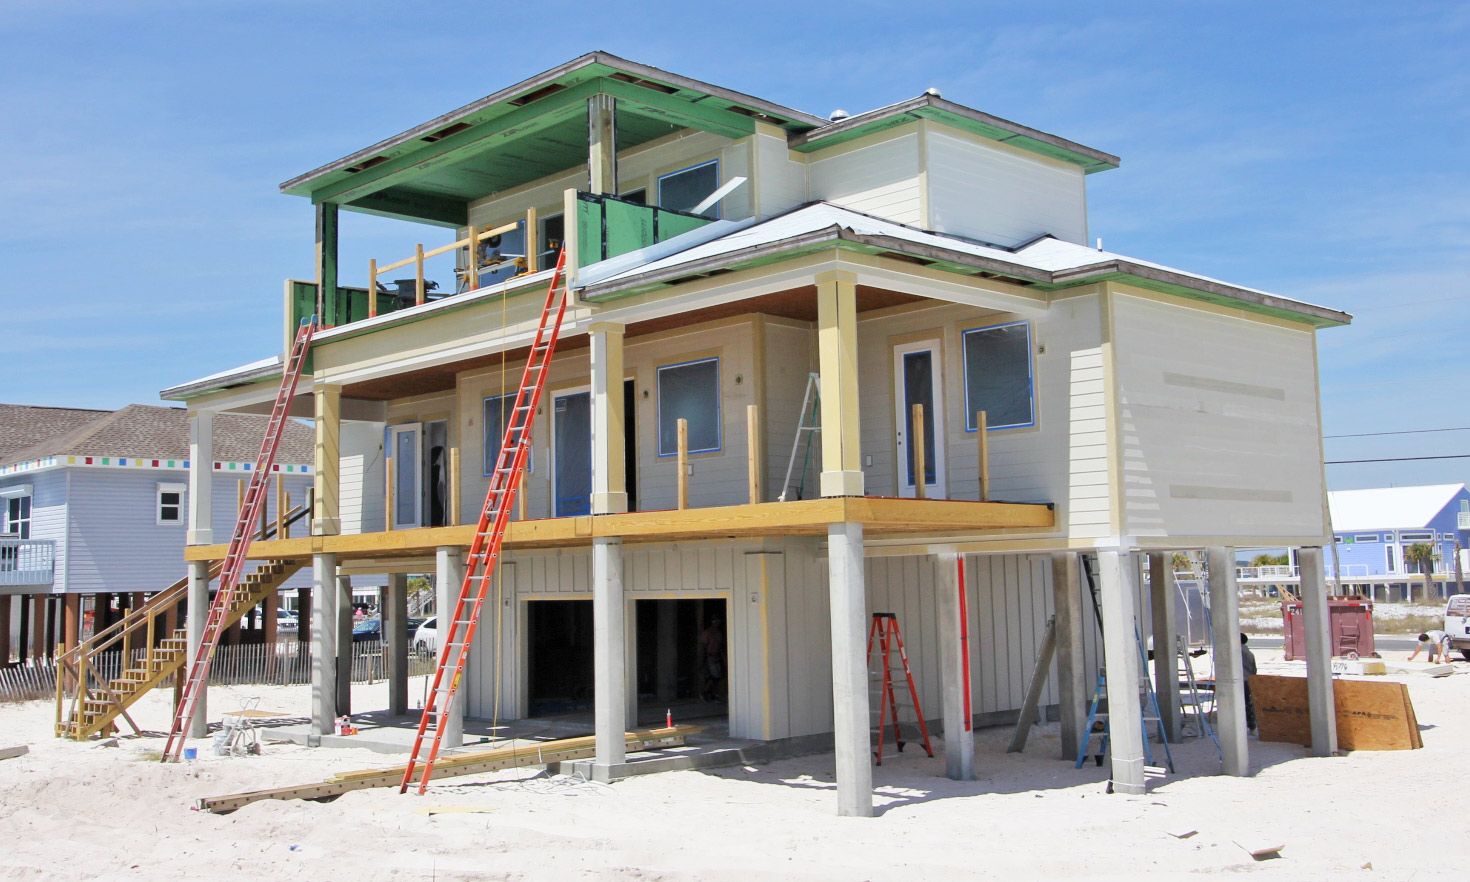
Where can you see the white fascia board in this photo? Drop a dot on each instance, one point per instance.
(967, 293)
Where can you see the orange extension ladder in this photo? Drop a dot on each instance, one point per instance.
(231, 573)
(490, 532)
(886, 634)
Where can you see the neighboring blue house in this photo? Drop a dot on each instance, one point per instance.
(1374, 527)
(94, 505)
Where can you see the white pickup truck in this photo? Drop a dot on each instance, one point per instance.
(1457, 623)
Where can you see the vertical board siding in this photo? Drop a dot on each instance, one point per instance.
(1219, 423)
(880, 178)
(994, 193)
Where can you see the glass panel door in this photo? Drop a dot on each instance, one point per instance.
(403, 446)
(436, 470)
(916, 375)
(571, 427)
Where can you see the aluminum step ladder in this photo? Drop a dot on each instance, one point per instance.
(808, 424)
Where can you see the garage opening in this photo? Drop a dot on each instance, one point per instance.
(559, 657)
(683, 659)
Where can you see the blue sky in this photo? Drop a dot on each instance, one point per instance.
(1314, 150)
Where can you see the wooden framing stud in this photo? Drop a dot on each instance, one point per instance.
(916, 442)
(419, 290)
(453, 518)
(683, 461)
(472, 265)
(533, 241)
(752, 452)
(982, 431)
(372, 287)
(388, 495)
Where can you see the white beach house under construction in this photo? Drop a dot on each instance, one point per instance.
(996, 400)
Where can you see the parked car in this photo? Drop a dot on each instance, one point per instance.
(1457, 623)
(287, 620)
(372, 629)
(426, 639)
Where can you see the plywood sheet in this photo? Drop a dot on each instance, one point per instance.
(1370, 715)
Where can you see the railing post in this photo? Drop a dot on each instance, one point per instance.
(982, 431)
(752, 452)
(388, 495)
(472, 266)
(280, 504)
(453, 518)
(419, 292)
(916, 441)
(60, 677)
(285, 531)
(533, 241)
(372, 287)
(683, 462)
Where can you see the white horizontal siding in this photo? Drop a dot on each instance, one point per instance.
(881, 179)
(997, 194)
(780, 177)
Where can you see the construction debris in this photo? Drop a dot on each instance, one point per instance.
(497, 759)
(13, 752)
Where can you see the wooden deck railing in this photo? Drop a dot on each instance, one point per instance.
(474, 236)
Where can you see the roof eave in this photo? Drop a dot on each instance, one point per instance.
(186, 391)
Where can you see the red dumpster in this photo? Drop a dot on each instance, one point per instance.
(1350, 628)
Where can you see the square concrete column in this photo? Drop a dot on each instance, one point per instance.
(326, 518)
(449, 572)
(852, 740)
(609, 472)
(325, 612)
(395, 641)
(1229, 681)
(1162, 601)
(201, 477)
(345, 619)
(954, 659)
(198, 615)
(1071, 661)
(1321, 703)
(609, 656)
(1117, 595)
(842, 465)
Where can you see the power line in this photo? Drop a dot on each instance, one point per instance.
(1397, 459)
(1401, 432)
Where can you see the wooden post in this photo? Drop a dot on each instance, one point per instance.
(533, 241)
(71, 633)
(280, 506)
(388, 495)
(5, 604)
(285, 532)
(420, 292)
(269, 617)
(916, 441)
(23, 643)
(372, 287)
(752, 451)
(982, 431)
(683, 464)
(239, 494)
(472, 269)
(264, 519)
(38, 627)
(521, 497)
(453, 519)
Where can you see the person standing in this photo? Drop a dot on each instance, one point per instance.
(1248, 668)
(712, 660)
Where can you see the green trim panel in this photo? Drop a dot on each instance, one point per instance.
(608, 226)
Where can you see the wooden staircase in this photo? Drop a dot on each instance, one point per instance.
(101, 678)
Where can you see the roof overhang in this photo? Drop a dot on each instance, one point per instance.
(968, 119)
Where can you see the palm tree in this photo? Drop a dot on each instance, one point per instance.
(1421, 554)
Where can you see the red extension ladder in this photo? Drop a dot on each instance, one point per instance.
(245, 527)
(459, 633)
(885, 632)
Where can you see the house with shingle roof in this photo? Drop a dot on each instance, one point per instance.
(94, 509)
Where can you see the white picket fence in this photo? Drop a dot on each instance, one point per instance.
(284, 663)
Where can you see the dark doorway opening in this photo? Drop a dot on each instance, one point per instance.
(683, 659)
(436, 473)
(559, 657)
(630, 444)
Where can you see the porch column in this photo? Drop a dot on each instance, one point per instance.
(344, 645)
(326, 517)
(852, 742)
(1162, 601)
(609, 655)
(5, 604)
(201, 477)
(197, 616)
(1117, 595)
(1229, 682)
(326, 268)
(954, 657)
(1321, 703)
(1071, 662)
(842, 465)
(395, 639)
(602, 144)
(325, 608)
(71, 632)
(609, 477)
(449, 570)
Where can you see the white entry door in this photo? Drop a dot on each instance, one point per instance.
(917, 380)
(404, 450)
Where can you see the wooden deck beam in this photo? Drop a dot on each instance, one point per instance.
(880, 516)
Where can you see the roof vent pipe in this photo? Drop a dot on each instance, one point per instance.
(838, 115)
(1099, 243)
(932, 91)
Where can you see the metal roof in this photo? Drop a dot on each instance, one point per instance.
(1389, 508)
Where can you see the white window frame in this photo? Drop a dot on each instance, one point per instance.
(965, 376)
(487, 441)
(417, 430)
(1365, 537)
(1413, 536)
(556, 466)
(158, 503)
(903, 415)
(717, 208)
(658, 375)
(18, 491)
